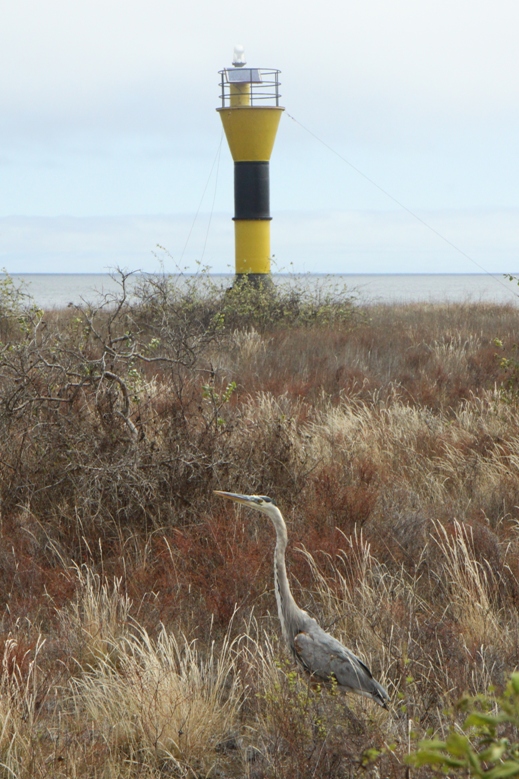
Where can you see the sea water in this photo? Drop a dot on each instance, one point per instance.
(49, 290)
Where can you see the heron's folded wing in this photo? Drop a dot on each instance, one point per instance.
(325, 657)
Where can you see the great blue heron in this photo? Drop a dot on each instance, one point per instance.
(321, 655)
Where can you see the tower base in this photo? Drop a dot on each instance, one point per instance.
(256, 280)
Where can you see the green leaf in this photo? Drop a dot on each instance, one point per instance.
(503, 771)
(458, 744)
(494, 752)
(432, 743)
(431, 758)
(514, 682)
(478, 719)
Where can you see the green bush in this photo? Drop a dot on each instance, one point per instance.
(249, 303)
(13, 302)
(486, 745)
(264, 305)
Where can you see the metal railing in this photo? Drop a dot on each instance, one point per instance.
(249, 86)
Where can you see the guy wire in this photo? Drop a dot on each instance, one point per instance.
(216, 159)
(400, 204)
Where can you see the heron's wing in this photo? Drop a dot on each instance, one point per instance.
(326, 658)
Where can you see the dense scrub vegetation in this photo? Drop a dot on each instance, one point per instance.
(139, 635)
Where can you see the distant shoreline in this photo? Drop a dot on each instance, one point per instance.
(58, 290)
(281, 275)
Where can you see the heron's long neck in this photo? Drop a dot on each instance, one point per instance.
(287, 608)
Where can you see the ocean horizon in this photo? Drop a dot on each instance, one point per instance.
(57, 290)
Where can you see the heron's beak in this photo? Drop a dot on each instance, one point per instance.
(245, 500)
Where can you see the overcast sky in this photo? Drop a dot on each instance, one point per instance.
(109, 137)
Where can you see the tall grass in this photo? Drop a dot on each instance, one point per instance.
(139, 633)
(162, 703)
(22, 695)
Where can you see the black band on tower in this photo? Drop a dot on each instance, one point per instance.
(251, 190)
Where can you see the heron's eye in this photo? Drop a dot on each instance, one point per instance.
(262, 499)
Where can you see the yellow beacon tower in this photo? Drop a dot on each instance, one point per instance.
(250, 114)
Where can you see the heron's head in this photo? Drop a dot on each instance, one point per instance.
(259, 502)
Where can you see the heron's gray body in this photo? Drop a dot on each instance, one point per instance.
(325, 658)
(320, 654)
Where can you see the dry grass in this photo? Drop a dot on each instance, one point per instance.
(139, 633)
(162, 703)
